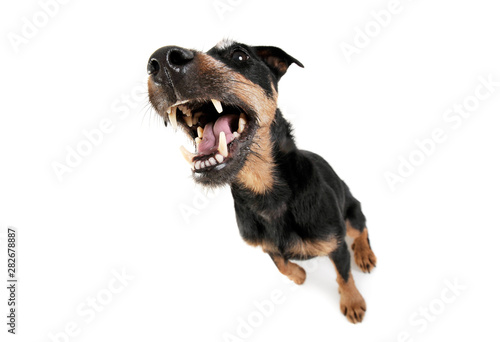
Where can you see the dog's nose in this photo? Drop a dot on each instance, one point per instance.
(173, 58)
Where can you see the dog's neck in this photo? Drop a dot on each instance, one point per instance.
(258, 175)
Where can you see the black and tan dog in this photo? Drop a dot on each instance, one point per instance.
(288, 201)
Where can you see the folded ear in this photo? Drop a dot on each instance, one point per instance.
(276, 59)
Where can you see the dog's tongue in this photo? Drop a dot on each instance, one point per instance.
(210, 142)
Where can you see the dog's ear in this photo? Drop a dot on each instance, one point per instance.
(276, 59)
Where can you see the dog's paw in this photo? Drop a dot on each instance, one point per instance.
(353, 307)
(298, 276)
(364, 256)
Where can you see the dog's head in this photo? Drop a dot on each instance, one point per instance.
(225, 100)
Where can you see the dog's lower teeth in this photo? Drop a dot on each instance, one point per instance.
(212, 161)
(187, 155)
(241, 123)
(223, 144)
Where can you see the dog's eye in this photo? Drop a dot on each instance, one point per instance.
(239, 56)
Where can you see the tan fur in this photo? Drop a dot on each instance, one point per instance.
(302, 248)
(351, 231)
(257, 173)
(293, 271)
(314, 248)
(363, 254)
(352, 303)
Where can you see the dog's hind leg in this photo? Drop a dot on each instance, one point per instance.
(293, 271)
(352, 304)
(356, 228)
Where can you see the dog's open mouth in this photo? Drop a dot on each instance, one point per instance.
(217, 129)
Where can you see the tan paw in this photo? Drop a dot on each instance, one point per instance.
(353, 307)
(298, 275)
(364, 256)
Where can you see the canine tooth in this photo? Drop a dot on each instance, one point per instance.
(189, 121)
(197, 165)
(219, 158)
(217, 105)
(187, 155)
(236, 135)
(222, 144)
(173, 117)
(241, 123)
(200, 132)
(197, 141)
(212, 161)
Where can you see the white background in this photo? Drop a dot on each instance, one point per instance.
(194, 279)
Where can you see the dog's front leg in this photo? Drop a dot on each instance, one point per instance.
(352, 304)
(290, 269)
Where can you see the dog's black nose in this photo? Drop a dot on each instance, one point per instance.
(173, 58)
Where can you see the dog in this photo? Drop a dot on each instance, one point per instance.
(288, 201)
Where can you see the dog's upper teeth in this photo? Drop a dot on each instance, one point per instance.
(189, 120)
(236, 135)
(223, 144)
(217, 105)
(187, 155)
(241, 123)
(185, 110)
(200, 132)
(172, 116)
